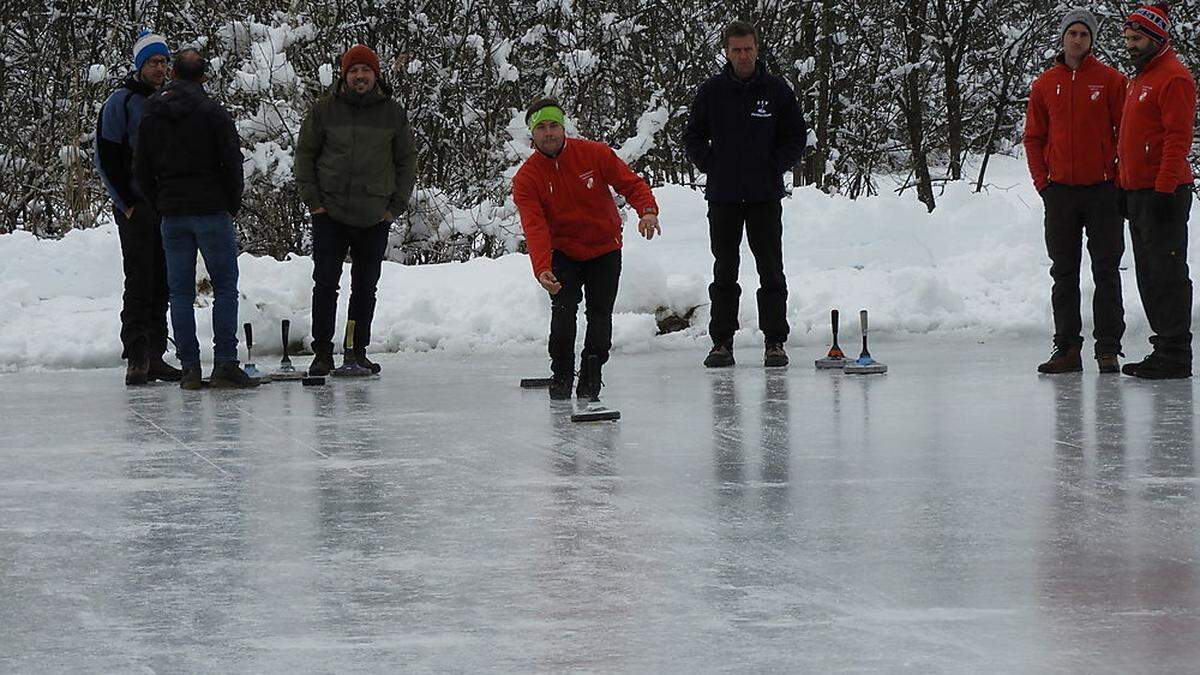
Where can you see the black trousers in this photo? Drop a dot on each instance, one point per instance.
(367, 247)
(763, 224)
(1070, 211)
(1160, 257)
(144, 303)
(597, 279)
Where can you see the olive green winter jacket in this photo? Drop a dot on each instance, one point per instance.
(355, 157)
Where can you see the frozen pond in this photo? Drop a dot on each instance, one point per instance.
(960, 513)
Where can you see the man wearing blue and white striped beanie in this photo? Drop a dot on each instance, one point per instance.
(144, 305)
(148, 44)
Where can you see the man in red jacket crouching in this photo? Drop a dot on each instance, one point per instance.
(1155, 139)
(573, 233)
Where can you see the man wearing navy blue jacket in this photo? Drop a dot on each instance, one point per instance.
(744, 131)
(144, 304)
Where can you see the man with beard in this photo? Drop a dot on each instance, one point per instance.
(355, 170)
(1155, 139)
(144, 303)
(1071, 125)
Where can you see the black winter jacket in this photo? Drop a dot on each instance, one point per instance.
(744, 135)
(189, 159)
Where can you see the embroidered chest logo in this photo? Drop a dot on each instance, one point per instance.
(1145, 92)
(1096, 90)
(589, 178)
(762, 108)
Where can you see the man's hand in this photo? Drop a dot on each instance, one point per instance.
(318, 210)
(388, 217)
(549, 282)
(648, 226)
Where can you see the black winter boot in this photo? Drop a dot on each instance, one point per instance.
(589, 383)
(162, 371)
(1155, 367)
(560, 388)
(137, 371)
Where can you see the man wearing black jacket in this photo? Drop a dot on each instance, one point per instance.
(189, 165)
(144, 303)
(744, 131)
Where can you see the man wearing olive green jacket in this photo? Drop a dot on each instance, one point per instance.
(355, 169)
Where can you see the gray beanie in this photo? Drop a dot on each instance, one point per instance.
(1078, 16)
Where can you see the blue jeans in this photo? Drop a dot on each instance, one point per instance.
(212, 235)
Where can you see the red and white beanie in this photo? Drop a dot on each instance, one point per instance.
(1151, 21)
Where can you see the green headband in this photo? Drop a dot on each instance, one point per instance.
(550, 112)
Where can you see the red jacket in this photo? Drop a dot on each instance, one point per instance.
(566, 205)
(1156, 131)
(1071, 124)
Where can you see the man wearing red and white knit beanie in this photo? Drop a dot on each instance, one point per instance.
(1153, 147)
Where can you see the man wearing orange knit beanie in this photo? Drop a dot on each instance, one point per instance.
(355, 170)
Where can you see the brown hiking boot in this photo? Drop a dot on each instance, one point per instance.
(1063, 360)
(1108, 363)
(774, 356)
(721, 356)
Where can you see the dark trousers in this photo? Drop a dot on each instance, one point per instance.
(1160, 257)
(367, 247)
(144, 303)
(1070, 211)
(597, 279)
(763, 224)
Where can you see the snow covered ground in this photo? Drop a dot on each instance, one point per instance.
(959, 514)
(975, 267)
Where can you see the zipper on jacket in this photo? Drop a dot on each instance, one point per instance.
(1071, 126)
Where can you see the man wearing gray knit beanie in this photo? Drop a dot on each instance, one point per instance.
(1071, 125)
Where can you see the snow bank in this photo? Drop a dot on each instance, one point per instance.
(976, 266)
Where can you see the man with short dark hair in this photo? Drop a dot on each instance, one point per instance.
(189, 163)
(144, 303)
(1155, 139)
(573, 233)
(356, 166)
(744, 131)
(1071, 124)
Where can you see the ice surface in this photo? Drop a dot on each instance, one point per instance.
(960, 513)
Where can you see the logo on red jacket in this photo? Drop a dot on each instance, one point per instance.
(1145, 92)
(1096, 89)
(589, 178)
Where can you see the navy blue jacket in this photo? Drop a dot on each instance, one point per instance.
(745, 135)
(116, 138)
